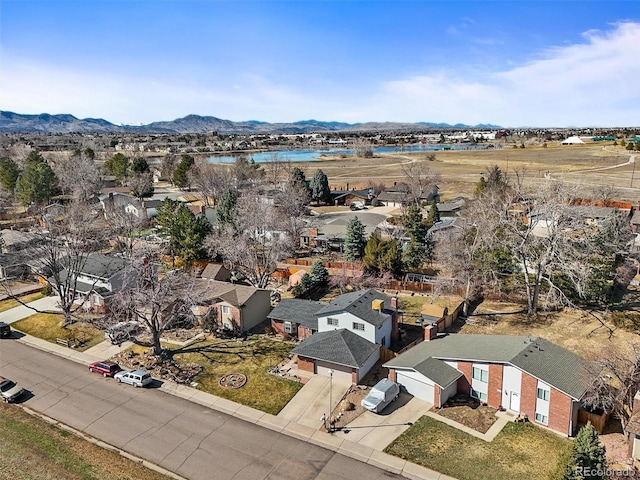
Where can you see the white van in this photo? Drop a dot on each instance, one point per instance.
(382, 394)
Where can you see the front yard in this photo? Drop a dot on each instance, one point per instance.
(12, 303)
(47, 326)
(521, 450)
(252, 357)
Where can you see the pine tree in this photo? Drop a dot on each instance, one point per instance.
(588, 456)
(9, 173)
(419, 249)
(318, 273)
(181, 173)
(226, 208)
(354, 241)
(319, 187)
(372, 253)
(434, 215)
(37, 184)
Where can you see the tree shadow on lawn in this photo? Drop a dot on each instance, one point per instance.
(242, 350)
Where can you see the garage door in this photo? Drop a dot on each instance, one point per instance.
(415, 387)
(339, 372)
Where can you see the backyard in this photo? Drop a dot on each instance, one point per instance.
(48, 326)
(521, 450)
(33, 449)
(252, 357)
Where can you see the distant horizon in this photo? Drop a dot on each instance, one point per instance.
(461, 61)
(488, 125)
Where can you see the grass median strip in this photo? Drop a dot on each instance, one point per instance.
(33, 449)
(48, 326)
(521, 450)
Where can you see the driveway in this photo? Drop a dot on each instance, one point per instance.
(20, 312)
(312, 401)
(379, 430)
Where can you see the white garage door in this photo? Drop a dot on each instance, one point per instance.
(415, 387)
(339, 372)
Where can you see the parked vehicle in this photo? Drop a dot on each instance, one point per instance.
(137, 378)
(382, 394)
(9, 390)
(121, 332)
(5, 330)
(107, 369)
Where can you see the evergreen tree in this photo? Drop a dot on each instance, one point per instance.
(118, 166)
(588, 456)
(390, 257)
(181, 173)
(354, 241)
(434, 216)
(318, 273)
(190, 231)
(226, 208)
(319, 187)
(139, 165)
(9, 173)
(371, 253)
(37, 184)
(419, 247)
(298, 181)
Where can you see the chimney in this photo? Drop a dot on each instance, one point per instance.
(430, 332)
(203, 210)
(111, 205)
(394, 302)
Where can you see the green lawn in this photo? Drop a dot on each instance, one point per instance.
(12, 303)
(47, 326)
(32, 449)
(521, 450)
(253, 357)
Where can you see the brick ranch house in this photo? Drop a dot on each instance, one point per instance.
(523, 375)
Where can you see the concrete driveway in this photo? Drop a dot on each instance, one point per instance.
(312, 401)
(379, 430)
(20, 312)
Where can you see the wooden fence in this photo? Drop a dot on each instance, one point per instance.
(386, 354)
(597, 420)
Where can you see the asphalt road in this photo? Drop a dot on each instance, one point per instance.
(188, 439)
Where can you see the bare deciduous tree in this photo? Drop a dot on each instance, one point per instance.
(256, 241)
(616, 376)
(210, 180)
(420, 181)
(158, 301)
(78, 175)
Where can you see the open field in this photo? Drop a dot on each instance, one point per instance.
(588, 164)
(521, 450)
(31, 448)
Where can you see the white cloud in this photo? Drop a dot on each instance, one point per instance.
(591, 83)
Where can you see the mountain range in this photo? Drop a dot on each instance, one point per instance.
(11, 122)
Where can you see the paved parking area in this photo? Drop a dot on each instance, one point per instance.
(312, 401)
(379, 430)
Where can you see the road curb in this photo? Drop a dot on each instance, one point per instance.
(102, 444)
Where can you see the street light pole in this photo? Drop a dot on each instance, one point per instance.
(330, 429)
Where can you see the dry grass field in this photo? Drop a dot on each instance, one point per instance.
(590, 164)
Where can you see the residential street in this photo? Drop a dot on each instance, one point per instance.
(191, 440)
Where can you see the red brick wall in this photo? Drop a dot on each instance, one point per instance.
(278, 326)
(306, 364)
(354, 375)
(464, 383)
(303, 332)
(494, 392)
(559, 411)
(436, 395)
(528, 389)
(392, 374)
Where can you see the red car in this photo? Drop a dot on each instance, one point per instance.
(107, 369)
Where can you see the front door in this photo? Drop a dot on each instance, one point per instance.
(514, 402)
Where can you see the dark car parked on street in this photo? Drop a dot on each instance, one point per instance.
(5, 330)
(107, 369)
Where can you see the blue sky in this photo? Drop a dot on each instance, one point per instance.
(515, 63)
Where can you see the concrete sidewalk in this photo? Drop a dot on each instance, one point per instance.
(301, 420)
(22, 311)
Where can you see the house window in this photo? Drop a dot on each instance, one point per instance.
(543, 394)
(226, 309)
(480, 374)
(542, 418)
(332, 322)
(288, 327)
(358, 326)
(479, 395)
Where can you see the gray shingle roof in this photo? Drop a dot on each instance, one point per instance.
(342, 347)
(298, 311)
(438, 371)
(358, 304)
(103, 266)
(544, 360)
